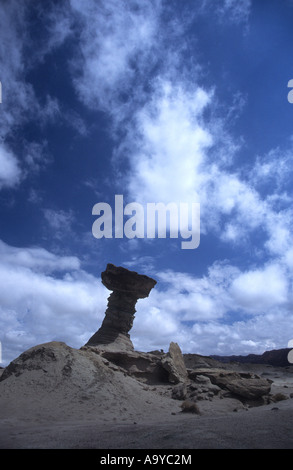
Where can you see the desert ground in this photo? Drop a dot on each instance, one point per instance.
(55, 396)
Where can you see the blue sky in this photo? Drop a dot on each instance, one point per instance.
(160, 101)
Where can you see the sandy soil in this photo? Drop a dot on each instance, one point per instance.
(256, 429)
(64, 398)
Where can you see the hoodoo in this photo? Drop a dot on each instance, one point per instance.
(128, 287)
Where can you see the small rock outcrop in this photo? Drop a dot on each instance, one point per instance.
(245, 385)
(173, 363)
(128, 287)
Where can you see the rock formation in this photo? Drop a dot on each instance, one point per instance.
(128, 287)
(194, 377)
(246, 385)
(173, 363)
(112, 340)
(151, 368)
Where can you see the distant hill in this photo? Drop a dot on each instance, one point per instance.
(276, 357)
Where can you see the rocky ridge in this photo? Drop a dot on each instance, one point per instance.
(275, 357)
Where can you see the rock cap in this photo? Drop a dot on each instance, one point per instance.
(121, 279)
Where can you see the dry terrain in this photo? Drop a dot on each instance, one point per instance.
(54, 396)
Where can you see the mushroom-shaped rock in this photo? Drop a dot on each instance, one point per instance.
(128, 287)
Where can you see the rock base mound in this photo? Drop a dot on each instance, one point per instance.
(54, 382)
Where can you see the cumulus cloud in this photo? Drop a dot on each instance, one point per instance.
(37, 259)
(225, 311)
(169, 145)
(262, 289)
(53, 299)
(171, 152)
(220, 313)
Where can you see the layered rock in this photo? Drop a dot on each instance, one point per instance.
(152, 367)
(128, 287)
(242, 384)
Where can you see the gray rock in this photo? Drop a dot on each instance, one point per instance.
(174, 364)
(246, 385)
(128, 287)
(202, 379)
(179, 392)
(145, 367)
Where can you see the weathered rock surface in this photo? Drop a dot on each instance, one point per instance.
(243, 384)
(145, 367)
(173, 362)
(128, 287)
(53, 382)
(195, 361)
(151, 368)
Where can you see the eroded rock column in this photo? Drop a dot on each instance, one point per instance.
(128, 287)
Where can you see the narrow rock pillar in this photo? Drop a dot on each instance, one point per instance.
(128, 287)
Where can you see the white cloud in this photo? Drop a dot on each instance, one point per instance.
(54, 299)
(169, 145)
(19, 102)
(115, 40)
(37, 259)
(59, 24)
(60, 222)
(171, 150)
(273, 170)
(255, 335)
(44, 308)
(237, 10)
(202, 314)
(36, 156)
(15, 92)
(175, 153)
(288, 258)
(231, 11)
(10, 173)
(193, 298)
(260, 290)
